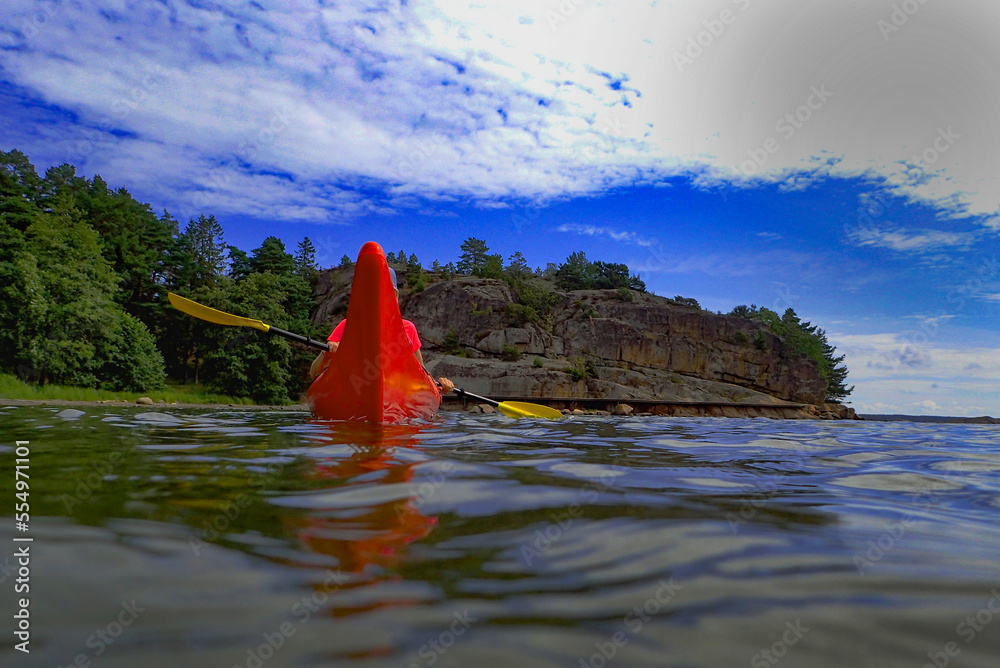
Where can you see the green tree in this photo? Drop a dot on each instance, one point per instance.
(473, 257)
(133, 239)
(346, 261)
(198, 256)
(20, 190)
(579, 273)
(244, 362)
(493, 267)
(130, 360)
(806, 339)
(272, 257)
(305, 261)
(239, 263)
(517, 267)
(68, 327)
(575, 273)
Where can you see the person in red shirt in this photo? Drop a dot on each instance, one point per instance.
(411, 333)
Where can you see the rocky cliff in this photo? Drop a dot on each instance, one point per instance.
(599, 343)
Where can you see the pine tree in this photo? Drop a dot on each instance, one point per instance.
(305, 260)
(517, 267)
(473, 257)
(203, 248)
(271, 256)
(239, 263)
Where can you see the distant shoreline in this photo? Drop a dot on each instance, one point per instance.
(938, 419)
(985, 419)
(132, 404)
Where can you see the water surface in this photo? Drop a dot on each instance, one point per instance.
(236, 538)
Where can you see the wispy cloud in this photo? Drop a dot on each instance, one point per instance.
(913, 241)
(617, 235)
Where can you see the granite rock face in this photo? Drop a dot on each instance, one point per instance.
(594, 343)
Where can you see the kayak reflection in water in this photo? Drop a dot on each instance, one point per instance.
(366, 536)
(323, 359)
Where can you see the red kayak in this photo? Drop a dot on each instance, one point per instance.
(374, 375)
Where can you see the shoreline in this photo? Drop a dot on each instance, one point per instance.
(454, 404)
(115, 403)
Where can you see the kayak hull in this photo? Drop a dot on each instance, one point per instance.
(374, 376)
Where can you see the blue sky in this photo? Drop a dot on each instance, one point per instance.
(839, 157)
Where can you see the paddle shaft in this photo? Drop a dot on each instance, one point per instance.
(462, 393)
(298, 337)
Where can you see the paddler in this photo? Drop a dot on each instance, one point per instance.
(411, 333)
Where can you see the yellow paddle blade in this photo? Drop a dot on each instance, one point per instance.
(209, 314)
(519, 409)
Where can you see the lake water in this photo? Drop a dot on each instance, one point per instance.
(236, 538)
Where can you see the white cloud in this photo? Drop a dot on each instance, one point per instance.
(497, 101)
(897, 369)
(617, 235)
(912, 240)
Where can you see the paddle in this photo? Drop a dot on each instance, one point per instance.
(210, 314)
(514, 409)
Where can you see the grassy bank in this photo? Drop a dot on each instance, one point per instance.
(13, 388)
